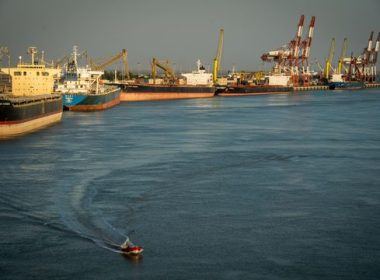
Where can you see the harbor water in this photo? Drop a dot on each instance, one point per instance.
(282, 186)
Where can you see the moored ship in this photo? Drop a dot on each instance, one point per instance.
(197, 84)
(338, 82)
(82, 90)
(273, 84)
(246, 90)
(27, 98)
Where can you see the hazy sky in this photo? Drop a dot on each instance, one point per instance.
(182, 30)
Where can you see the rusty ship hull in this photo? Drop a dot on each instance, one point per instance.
(140, 92)
(247, 90)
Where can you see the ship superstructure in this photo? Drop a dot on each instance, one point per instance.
(27, 98)
(81, 88)
(199, 76)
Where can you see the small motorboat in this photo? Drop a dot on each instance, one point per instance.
(128, 248)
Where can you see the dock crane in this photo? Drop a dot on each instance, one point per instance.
(342, 56)
(123, 54)
(218, 57)
(367, 54)
(295, 46)
(292, 59)
(169, 73)
(375, 52)
(329, 59)
(306, 46)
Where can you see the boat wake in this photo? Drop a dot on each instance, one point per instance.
(80, 214)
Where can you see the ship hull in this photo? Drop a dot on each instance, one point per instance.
(91, 102)
(251, 90)
(22, 115)
(159, 92)
(346, 85)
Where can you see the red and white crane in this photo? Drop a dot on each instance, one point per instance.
(292, 59)
(373, 60)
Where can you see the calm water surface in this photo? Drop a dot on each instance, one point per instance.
(270, 187)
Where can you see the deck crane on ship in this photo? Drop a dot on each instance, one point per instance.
(101, 66)
(165, 66)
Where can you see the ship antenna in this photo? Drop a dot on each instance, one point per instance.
(75, 54)
(32, 51)
(199, 64)
(42, 57)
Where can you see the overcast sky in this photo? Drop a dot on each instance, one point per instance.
(182, 30)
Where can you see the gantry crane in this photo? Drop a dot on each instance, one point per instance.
(169, 73)
(218, 57)
(292, 59)
(306, 46)
(363, 67)
(370, 59)
(375, 52)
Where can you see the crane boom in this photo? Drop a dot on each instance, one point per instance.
(330, 58)
(218, 57)
(296, 43)
(123, 54)
(307, 42)
(169, 73)
(376, 49)
(367, 51)
(342, 56)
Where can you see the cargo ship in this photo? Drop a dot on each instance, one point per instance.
(197, 84)
(27, 98)
(272, 85)
(82, 90)
(338, 82)
(246, 90)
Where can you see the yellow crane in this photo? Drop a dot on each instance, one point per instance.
(218, 57)
(342, 56)
(330, 58)
(123, 54)
(169, 73)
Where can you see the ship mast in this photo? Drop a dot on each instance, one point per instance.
(32, 51)
(75, 55)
